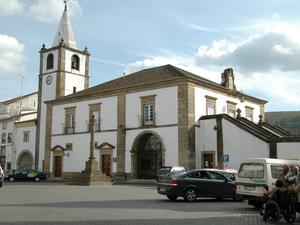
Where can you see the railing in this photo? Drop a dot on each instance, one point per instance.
(69, 130)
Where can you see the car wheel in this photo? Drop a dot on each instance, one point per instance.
(11, 179)
(172, 197)
(1, 184)
(36, 179)
(190, 195)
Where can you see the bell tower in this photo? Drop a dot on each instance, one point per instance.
(64, 70)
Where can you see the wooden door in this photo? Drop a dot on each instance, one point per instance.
(208, 160)
(106, 164)
(57, 164)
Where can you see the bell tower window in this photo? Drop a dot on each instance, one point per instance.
(75, 62)
(50, 61)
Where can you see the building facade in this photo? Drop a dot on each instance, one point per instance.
(154, 117)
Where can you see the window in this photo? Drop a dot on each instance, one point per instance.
(200, 175)
(210, 105)
(249, 113)
(9, 138)
(69, 146)
(148, 110)
(148, 114)
(95, 111)
(75, 62)
(26, 136)
(4, 125)
(70, 120)
(252, 170)
(2, 151)
(231, 108)
(3, 138)
(50, 61)
(71, 123)
(2, 156)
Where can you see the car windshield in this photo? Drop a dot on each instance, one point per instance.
(231, 176)
(251, 170)
(165, 169)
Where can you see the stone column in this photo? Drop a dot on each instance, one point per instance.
(92, 165)
(92, 140)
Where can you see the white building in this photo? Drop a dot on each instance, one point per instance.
(17, 130)
(154, 117)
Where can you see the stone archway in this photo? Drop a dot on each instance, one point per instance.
(25, 160)
(147, 155)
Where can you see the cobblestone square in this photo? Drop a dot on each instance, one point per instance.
(54, 203)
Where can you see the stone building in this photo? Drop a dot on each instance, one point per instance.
(153, 117)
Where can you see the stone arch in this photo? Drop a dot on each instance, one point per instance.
(137, 149)
(50, 61)
(75, 62)
(25, 160)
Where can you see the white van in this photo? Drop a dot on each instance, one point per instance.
(256, 174)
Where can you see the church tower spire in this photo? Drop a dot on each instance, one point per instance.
(65, 32)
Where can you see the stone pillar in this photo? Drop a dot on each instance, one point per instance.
(121, 138)
(92, 141)
(92, 165)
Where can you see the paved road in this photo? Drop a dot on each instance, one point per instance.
(54, 203)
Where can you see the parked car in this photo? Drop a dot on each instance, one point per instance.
(229, 173)
(29, 174)
(1, 177)
(7, 172)
(197, 183)
(169, 170)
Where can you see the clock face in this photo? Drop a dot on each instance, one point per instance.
(49, 80)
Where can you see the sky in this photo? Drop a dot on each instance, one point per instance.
(260, 40)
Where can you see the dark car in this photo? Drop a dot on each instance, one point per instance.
(169, 170)
(8, 172)
(197, 183)
(29, 174)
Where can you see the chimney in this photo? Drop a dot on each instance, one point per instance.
(228, 79)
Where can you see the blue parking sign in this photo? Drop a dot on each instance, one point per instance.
(226, 158)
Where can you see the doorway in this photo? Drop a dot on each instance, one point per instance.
(106, 164)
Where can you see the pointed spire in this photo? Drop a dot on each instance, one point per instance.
(65, 31)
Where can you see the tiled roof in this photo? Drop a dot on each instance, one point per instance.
(151, 76)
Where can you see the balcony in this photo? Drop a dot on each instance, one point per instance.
(69, 130)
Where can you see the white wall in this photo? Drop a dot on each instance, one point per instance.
(206, 139)
(240, 145)
(108, 115)
(20, 145)
(221, 103)
(75, 162)
(55, 62)
(169, 136)
(166, 107)
(288, 150)
(71, 81)
(68, 60)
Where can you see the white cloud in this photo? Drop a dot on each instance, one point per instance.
(266, 64)
(11, 55)
(51, 10)
(11, 7)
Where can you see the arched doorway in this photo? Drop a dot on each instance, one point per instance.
(25, 160)
(147, 155)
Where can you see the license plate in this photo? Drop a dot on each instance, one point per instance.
(162, 189)
(249, 188)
